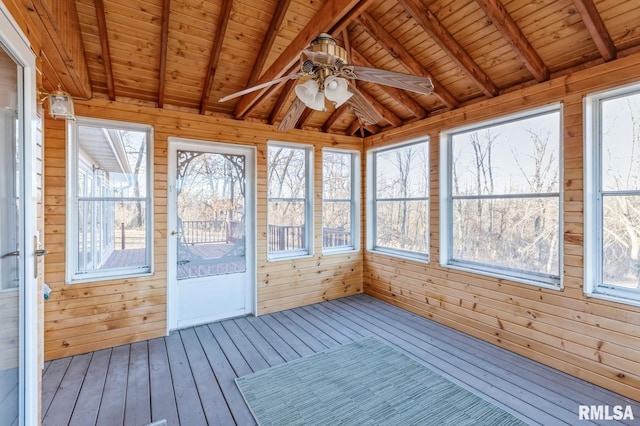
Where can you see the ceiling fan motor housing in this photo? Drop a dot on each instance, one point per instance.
(334, 55)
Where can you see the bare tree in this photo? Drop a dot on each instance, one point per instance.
(621, 245)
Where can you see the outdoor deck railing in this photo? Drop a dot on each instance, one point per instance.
(280, 237)
(292, 237)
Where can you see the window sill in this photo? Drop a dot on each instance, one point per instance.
(550, 283)
(617, 296)
(99, 278)
(287, 256)
(404, 255)
(337, 251)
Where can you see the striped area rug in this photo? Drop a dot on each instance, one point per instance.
(363, 383)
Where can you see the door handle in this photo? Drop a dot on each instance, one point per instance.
(176, 233)
(41, 252)
(12, 253)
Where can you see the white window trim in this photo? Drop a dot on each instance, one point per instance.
(71, 276)
(593, 215)
(355, 203)
(446, 209)
(308, 251)
(371, 204)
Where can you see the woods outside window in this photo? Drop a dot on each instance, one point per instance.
(289, 203)
(340, 194)
(501, 199)
(612, 195)
(399, 188)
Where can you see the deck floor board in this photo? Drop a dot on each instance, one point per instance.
(92, 389)
(138, 403)
(188, 377)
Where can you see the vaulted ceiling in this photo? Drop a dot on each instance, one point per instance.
(186, 54)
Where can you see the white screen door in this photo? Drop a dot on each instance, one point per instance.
(18, 317)
(211, 232)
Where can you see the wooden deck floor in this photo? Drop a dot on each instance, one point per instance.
(188, 377)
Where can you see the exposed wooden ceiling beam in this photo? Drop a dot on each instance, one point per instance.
(269, 37)
(292, 115)
(445, 40)
(349, 17)
(304, 118)
(598, 31)
(282, 100)
(62, 45)
(104, 44)
(164, 38)
(512, 33)
(272, 89)
(329, 15)
(335, 116)
(386, 113)
(223, 20)
(357, 125)
(396, 50)
(346, 40)
(402, 97)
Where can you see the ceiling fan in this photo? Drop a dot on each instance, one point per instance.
(326, 75)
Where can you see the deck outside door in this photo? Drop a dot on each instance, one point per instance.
(211, 232)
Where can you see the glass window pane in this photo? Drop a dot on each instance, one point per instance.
(519, 234)
(338, 203)
(120, 155)
(621, 143)
(287, 172)
(621, 241)
(210, 208)
(114, 238)
(286, 230)
(112, 229)
(403, 172)
(287, 188)
(402, 225)
(517, 157)
(336, 175)
(336, 224)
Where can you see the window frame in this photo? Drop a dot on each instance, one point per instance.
(73, 168)
(446, 204)
(372, 200)
(594, 199)
(354, 203)
(307, 251)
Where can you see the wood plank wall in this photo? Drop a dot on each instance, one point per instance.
(86, 317)
(593, 339)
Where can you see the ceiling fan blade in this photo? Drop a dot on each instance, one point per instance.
(398, 80)
(261, 86)
(363, 109)
(292, 115)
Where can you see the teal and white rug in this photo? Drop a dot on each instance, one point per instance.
(363, 383)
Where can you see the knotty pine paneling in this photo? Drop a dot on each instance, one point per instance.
(85, 317)
(595, 340)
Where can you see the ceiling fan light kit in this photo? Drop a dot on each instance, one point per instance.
(309, 93)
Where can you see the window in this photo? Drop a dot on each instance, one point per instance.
(340, 213)
(612, 198)
(400, 200)
(109, 208)
(289, 203)
(500, 192)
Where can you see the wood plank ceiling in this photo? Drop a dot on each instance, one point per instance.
(186, 54)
